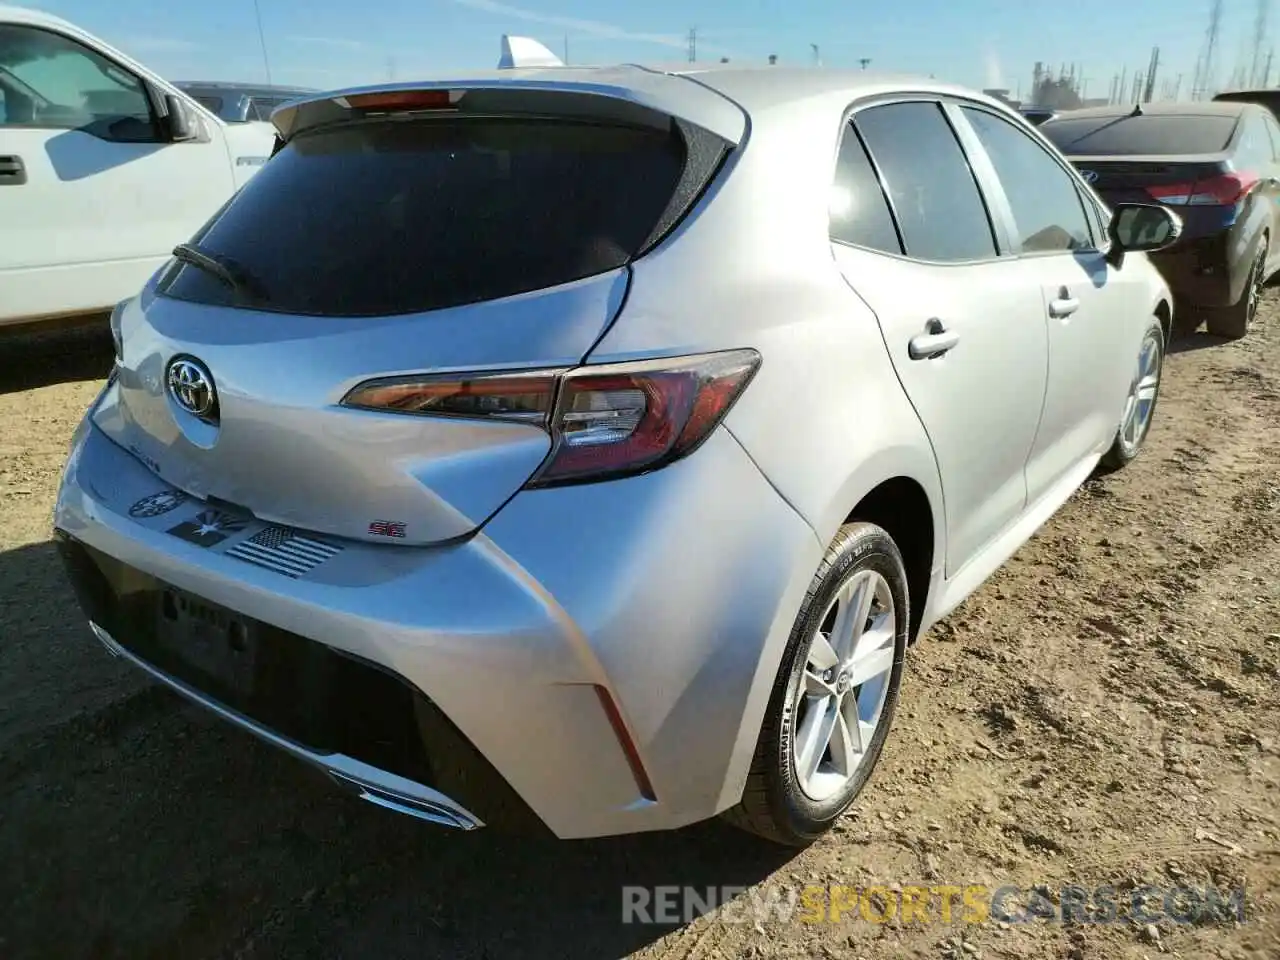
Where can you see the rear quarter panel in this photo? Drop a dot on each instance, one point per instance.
(825, 418)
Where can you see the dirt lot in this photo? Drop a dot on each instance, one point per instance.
(1104, 711)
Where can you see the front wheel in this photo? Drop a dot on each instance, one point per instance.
(1140, 403)
(835, 694)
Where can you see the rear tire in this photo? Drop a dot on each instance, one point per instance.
(799, 784)
(1140, 402)
(1232, 322)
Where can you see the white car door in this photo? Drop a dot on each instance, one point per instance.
(963, 324)
(1094, 313)
(93, 192)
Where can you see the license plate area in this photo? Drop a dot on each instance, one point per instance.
(211, 639)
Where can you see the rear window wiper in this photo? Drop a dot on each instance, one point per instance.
(223, 268)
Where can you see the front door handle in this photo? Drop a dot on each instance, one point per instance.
(1063, 306)
(934, 342)
(13, 172)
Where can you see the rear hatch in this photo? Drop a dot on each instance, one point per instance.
(396, 235)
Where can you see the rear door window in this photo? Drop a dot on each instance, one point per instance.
(388, 217)
(934, 194)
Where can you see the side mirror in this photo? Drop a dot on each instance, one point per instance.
(181, 125)
(1143, 227)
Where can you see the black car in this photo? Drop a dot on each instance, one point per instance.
(1218, 165)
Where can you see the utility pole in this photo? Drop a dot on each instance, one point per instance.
(566, 49)
(1266, 71)
(1177, 87)
(693, 44)
(1204, 82)
(1135, 95)
(391, 68)
(1115, 84)
(864, 62)
(1259, 35)
(1150, 90)
(817, 55)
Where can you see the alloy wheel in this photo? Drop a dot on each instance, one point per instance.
(846, 680)
(1255, 286)
(1142, 393)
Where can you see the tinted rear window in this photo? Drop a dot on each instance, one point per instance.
(1140, 136)
(388, 217)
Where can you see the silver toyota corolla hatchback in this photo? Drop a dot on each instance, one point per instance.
(585, 448)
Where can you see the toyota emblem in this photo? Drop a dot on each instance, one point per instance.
(191, 386)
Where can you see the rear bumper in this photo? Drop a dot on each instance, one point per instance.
(1199, 273)
(599, 656)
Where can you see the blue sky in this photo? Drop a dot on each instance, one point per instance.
(328, 43)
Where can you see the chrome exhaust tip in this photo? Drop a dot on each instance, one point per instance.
(419, 807)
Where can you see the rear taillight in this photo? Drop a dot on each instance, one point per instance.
(524, 398)
(605, 421)
(1223, 190)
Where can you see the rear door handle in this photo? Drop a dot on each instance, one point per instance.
(934, 342)
(1063, 306)
(13, 172)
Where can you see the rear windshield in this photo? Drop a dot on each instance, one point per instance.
(1140, 136)
(387, 217)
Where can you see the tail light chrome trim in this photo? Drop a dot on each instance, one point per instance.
(605, 421)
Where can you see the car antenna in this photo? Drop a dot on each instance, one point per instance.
(1137, 109)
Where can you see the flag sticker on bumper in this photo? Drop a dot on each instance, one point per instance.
(283, 550)
(210, 527)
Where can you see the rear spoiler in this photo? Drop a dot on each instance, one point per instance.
(531, 80)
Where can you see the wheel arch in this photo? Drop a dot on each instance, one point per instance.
(1164, 313)
(901, 506)
(898, 488)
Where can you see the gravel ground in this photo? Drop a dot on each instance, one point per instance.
(1104, 711)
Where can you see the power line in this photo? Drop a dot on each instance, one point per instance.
(262, 38)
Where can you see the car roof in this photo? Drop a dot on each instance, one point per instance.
(249, 88)
(716, 96)
(35, 18)
(1198, 108)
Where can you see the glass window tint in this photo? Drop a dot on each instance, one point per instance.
(1046, 206)
(934, 195)
(390, 217)
(1146, 135)
(859, 213)
(1273, 134)
(53, 82)
(1253, 150)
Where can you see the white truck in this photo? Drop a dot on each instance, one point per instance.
(104, 168)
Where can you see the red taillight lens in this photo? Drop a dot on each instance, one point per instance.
(605, 421)
(1221, 191)
(523, 398)
(621, 419)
